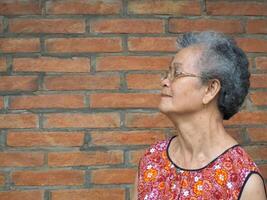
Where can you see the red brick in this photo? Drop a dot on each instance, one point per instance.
(257, 152)
(135, 156)
(257, 26)
(144, 81)
(113, 176)
(164, 7)
(125, 137)
(21, 159)
(15, 45)
(48, 178)
(18, 121)
(45, 139)
(257, 134)
(147, 120)
(25, 195)
(111, 63)
(188, 25)
(3, 65)
(85, 158)
(50, 64)
(123, 100)
(127, 26)
(236, 133)
(259, 98)
(79, 7)
(47, 26)
(263, 170)
(89, 194)
(82, 82)
(97, 120)
(258, 81)
(19, 7)
(1, 102)
(18, 83)
(252, 44)
(236, 8)
(2, 180)
(162, 44)
(241, 118)
(47, 101)
(261, 62)
(80, 45)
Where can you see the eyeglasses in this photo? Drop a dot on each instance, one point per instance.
(174, 73)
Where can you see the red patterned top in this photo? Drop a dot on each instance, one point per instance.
(223, 178)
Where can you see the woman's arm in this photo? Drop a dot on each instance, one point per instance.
(254, 188)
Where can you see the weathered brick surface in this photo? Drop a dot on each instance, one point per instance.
(21, 159)
(97, 120)
(15, 45)
(85, 159)
(80, 83)
(130, 100)
(47, 101)
(81, 45)
(26, 7)
(26, 195)
(126, 137)
(2, 179)
(48, 178)
(236, 8)
(47, 26)
(109, 176)
(3, 65)
(89, 194)
(18, 83)
(45, 139)
(127, 26)
(50, 64)
(84, 7)
(164, 7)
(261, 62)
(119, 63)
(161, 44)
(18, 120)
(185, 25)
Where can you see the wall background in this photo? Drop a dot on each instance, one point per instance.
(79, 83)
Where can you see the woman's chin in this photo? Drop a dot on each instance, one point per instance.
(163, 108)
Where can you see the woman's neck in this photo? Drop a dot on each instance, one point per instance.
(201, 138)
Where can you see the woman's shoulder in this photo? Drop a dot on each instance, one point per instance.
(155, 152)
(241, 158)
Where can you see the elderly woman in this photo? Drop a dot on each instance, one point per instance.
(207, 83)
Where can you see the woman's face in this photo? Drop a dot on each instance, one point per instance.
(183, 94)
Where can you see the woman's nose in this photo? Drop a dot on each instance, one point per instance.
(165, 82)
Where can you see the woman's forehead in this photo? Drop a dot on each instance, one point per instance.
(187, 57)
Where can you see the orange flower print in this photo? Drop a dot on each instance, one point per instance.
(221, 176)
(164, 155)
(198, 188)
(161, 185)
(184, 183)
(150, 175)
(227, 165)
(207, 185)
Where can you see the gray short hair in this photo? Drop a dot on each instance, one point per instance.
(222, 59)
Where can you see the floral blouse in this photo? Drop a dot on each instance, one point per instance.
(223, 178)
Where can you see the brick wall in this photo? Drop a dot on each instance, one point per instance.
(79, 83)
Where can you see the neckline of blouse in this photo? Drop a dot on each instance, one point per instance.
(198, 169)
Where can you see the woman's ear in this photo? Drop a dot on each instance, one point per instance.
(212, 89)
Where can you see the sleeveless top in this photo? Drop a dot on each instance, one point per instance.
(223, 178)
